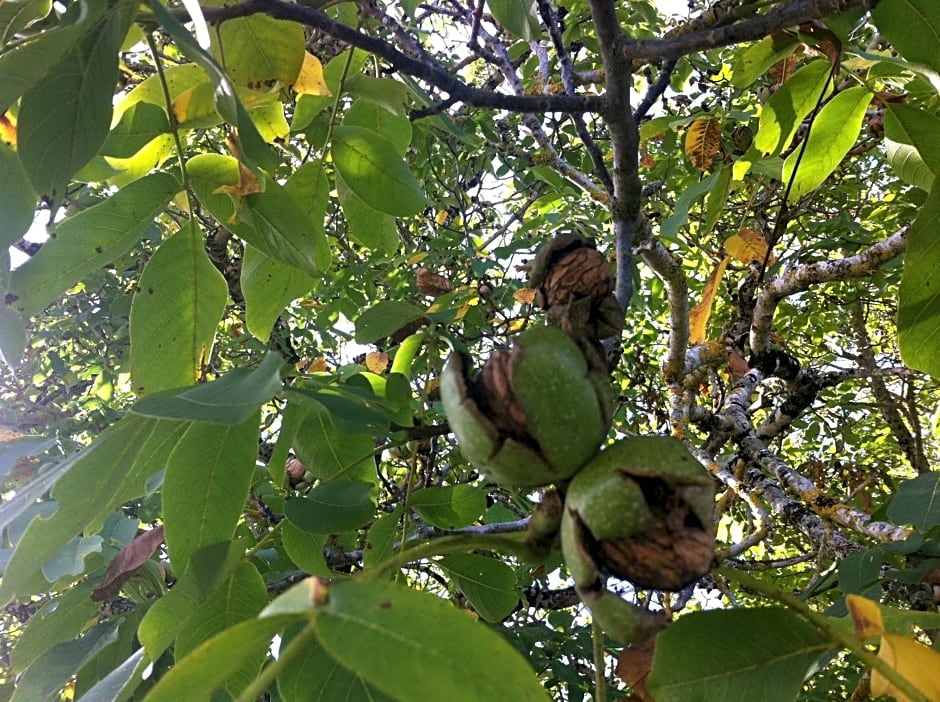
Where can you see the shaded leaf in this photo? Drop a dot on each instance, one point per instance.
(17, 198)
(917, 502)
(128, 560)
(413, 646)
(449, 506)
(753, 665)
(64, 119)
(372, 168)
(88, 240)
(332, 507)
(326, 449)
(633, 667)
(174, 314)
(385, 318)
(488, 584)
(919, 304)
(912, 27)
(380, 541)
(261, 52)
(216, 661)
(518, 16)
(905, 125)
(53, 669)
(231, 399)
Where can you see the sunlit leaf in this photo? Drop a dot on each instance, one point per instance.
(747, 245)
(702, 142)
(174, 314)
(832, 134)
(310, 80)
(786, 109)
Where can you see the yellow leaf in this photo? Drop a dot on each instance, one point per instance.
(8, 128)
(317, 365)
(698, 316)
(247, 184)
(866, 614)
(441, 217)
(526, 296)
(747, 245)
(310, 80)
(914, 661)
(377, 362)
(702, 141)
(417, 257)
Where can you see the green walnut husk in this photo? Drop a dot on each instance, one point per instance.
(642, 510)
(533, 415)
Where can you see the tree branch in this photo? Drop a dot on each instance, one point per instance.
(790, 14)
(802, 277)
(431, 73)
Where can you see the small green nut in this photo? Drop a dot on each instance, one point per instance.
(642, 510)
(535, 413)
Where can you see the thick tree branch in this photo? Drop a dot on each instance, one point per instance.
(802, 277)
(429, 72)
(790, 14)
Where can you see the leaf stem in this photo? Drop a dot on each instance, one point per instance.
(260, 685)
(171, 116)
(457, 543)
(829, 629)
(600, 676)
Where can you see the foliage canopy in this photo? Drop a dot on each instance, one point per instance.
(269, 224)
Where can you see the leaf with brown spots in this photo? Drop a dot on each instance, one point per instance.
(702, 142)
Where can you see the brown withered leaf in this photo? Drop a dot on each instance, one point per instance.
(126, 563)
(702, 142)
(782, 70)
(825, 41)
(698, 315)
(377, 361)
(432, 284)
(737, 365)
(634, 665)
(525, 296)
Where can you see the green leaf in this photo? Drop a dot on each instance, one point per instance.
(260, 52)
(272, 221)
(909, 126)
(112, 686)
(364, 225)
(207, 480)
(917, 502)
(138, 126)
(242, 596)
(832, 134)
(717, 198)
(415, 646)
(372, 168)
(859, 573)
(174, 314)
(216, 661)
(17, 198)
(18, 14)
(327, 450)
(389, 93)
(383, 319)
(314, 676)
(12, 338)
(449, 506)
(53, 669)
(58, 621)
(488, 584)
(919, 303)
(518, 16)
(754, 61)
(382, 536)
(64, 119)
(253, 147)
(372, 116)
(70, 560)
(34, 62)
(305, 549)
(912, 27)
(88, 486)
(310, 188)
(207, 569)
(680, 215)
(231, 399)
(332, 507)
(88, 240)
(766, 654)
(786, 109)
(268, 287)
